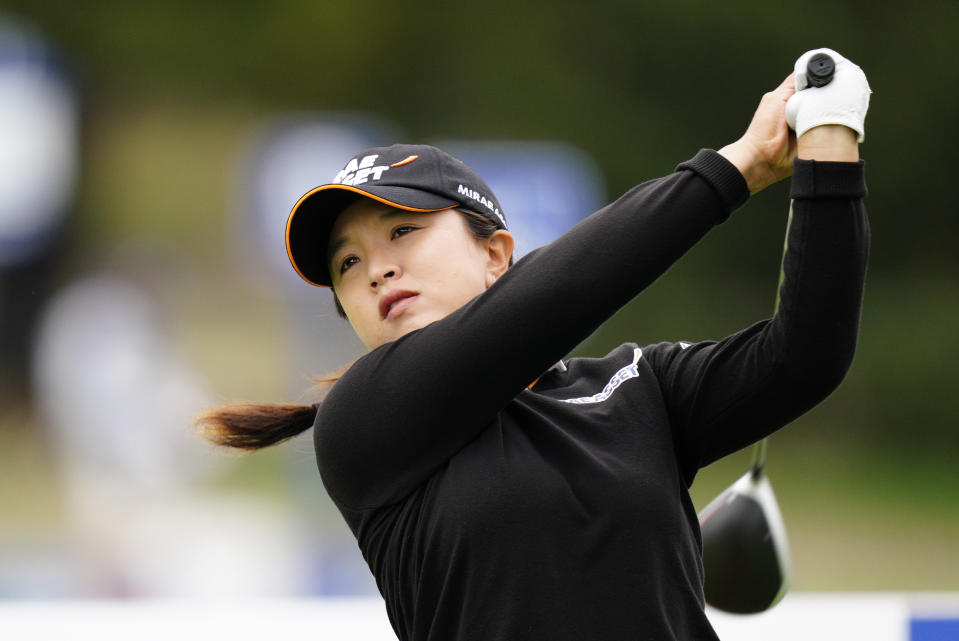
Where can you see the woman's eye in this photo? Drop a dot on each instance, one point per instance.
(402, 230)
(348, 262)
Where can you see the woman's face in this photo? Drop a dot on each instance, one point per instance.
(395, 271)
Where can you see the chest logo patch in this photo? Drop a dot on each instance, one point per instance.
(620, 377)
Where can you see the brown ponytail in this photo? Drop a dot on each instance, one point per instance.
(252, 426)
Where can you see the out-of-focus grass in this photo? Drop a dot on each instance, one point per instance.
(29, 494)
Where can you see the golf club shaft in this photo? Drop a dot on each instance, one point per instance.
(759, 451)
(759, 458)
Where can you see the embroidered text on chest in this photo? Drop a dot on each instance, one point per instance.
(620, 377)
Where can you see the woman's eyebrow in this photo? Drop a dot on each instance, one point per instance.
(394, 212)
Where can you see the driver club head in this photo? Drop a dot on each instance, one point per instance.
(745, 550)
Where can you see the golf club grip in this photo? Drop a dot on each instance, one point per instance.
(820, 70)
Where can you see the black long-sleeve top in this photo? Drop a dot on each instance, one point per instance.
(490, 510)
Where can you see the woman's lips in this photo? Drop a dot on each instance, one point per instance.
(395, 303)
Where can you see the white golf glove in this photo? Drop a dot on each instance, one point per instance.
(844, 101)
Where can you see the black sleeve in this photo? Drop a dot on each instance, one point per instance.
(723, 396)
(406, 407)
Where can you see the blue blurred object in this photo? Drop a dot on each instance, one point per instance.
(39, 127)
(933, 629)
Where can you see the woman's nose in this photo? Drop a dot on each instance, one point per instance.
(380, 275)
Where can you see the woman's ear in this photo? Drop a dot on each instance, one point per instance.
(499, 249)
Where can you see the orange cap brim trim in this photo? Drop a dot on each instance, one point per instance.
(296, 207)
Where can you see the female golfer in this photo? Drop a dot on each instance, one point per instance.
(498, 492)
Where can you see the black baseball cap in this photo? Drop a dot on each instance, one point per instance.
(417, 178)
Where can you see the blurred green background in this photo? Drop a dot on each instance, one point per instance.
(172, 91)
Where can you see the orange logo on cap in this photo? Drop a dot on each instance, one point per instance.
(405, 161)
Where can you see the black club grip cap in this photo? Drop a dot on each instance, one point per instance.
(819, 70)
